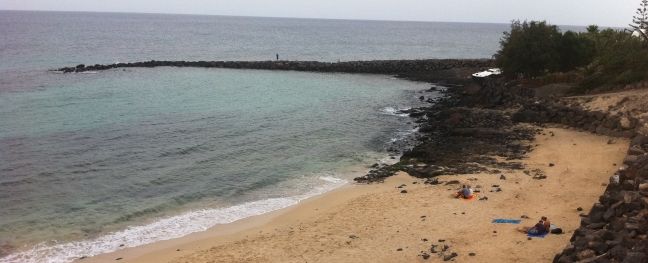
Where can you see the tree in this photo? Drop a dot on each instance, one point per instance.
(530, 49)
(593, 29)
(640, 20)
(575, 50)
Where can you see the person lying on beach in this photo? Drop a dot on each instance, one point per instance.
(542, 227)
(466, 192)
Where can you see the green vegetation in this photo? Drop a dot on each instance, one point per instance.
(619, 59)
(604, 58)
(533, 49)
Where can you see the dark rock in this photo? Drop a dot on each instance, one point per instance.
(596, 225)
(636, 150)
(432, 181)
(618, 252)
(628, 185)
(598, 247)
(449, 257)
(596, 214)
(585, 254)
(403, 191)
(472, 254)
(502, 177)
(636, 257)
(399, 249)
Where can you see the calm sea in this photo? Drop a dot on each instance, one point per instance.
(91, 162)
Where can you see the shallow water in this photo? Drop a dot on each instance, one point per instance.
(92, 161)
(121, 147)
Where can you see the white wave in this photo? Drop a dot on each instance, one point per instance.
(163, 229)
(402, 135)
(394, 111)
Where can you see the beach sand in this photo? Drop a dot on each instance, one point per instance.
(378, 223)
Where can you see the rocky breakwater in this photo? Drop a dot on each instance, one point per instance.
(374, 66)
(544, 111)
(616, 228)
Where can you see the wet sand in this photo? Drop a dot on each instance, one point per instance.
(379, 223)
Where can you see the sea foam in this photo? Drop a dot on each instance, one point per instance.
(394, 111)
(163, 229)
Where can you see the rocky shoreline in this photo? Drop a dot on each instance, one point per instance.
(461, 131)
(475, 121)
(616, 227)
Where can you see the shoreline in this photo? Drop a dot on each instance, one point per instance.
(259, 236)
(385, 157)
(226, 232)
(477, 129)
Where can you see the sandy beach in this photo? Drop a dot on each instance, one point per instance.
(381, 223)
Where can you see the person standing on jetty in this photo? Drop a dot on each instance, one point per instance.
(277, 56)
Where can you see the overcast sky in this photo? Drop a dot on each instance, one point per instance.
(563, 12)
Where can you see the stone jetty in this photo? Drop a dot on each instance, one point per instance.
(373, 66)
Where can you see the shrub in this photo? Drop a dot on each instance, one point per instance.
(620, 59)
(533, 49)
(529, 49)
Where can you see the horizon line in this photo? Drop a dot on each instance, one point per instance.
(285, 17)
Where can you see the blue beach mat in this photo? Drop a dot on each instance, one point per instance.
(506, 221)
(537, 235)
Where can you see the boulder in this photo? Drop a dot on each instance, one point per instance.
(625, 123)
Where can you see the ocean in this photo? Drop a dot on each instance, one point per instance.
(92, 163)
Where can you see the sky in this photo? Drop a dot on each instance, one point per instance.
(562, 12)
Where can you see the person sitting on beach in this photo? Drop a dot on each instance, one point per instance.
(546, 224)
(466, 192)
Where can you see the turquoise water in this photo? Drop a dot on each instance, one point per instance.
(89, 162)
(127, 148)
